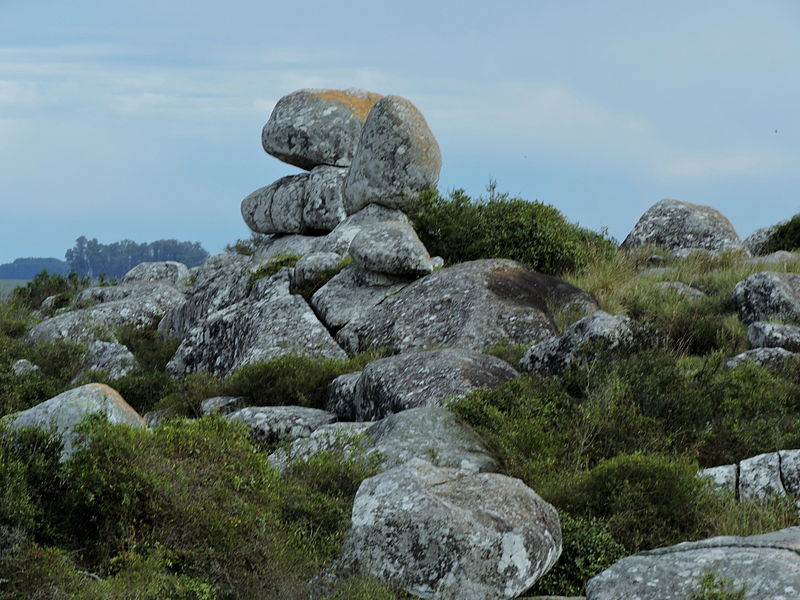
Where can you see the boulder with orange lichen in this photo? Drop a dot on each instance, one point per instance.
(65, 411)
(397, 157)
(309, 128)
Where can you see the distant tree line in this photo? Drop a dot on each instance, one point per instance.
(91, 258)
(27, 268)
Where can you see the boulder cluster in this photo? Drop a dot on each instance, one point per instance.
(438, 520)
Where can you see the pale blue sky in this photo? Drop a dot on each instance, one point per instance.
(142, 120)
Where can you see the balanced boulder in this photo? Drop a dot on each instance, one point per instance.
(308, 128)
(446, 534)
(683, 227)
(397, 157)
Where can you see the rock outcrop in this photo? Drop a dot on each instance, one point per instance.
(442, 533)
(765, 565)
(683, 227)
(471, 305)
(758, 477)
(276, 424)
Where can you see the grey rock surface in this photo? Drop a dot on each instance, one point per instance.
(63, 412)
(391, 247)
(278, 207)
(768, 295)
(763, 334)
(767, 565)
(442, 533)
(682, 226)
(351, 293)
(168, 271)
(756, 240)
(471, 305)
(23, 366)
(341, 396)
(433, 434)
(273, 323)
(397, 157)
(112, 358)
(276, 424)
(314, 127)
(770, 358)
(323, 205)
(161, 293)
(724, 477)
(781, 257)
(414, 379)
(221, 405)
(758, 477)
(600, 329)
(312, 265)
(680, 288)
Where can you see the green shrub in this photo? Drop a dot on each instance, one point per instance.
(785, 237)
(459, 229)
(587, 549)
(44, 285)
(716, 587)
(152, 350)
(143, 390)
(275, 264)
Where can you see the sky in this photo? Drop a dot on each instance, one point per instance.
(142, 120)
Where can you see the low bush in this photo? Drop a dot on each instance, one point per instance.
(270, 268)
(151, 348)
(44, 285)
(459, 228)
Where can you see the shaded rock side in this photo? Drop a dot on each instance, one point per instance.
(600, 329)
(774, 335)
(397, 157)
(312, 127)
(63, 412)
(415, 379)
(254, 330)
(768, 295)
(470, 305)
(769, 358)
(276, 424)
(767, 565)
(682, 226)
(433, 434)
(440, 533)
(391, 247)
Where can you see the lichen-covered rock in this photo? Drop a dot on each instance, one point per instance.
(415, 379)
(766, 565)
(600, 329)
(276, 424)
(433, 434)
(312, 265)
(270, 324)
(769, 358)
(471, 305)
(755, 241)
(763, 334)
(168, 271)
(113, 359)
(278, 207)
(342, 236)
(221, 405)
(313, 127)
(23, 366)
(63, 412)
(767, 295)
(683, 227)
(341, 396)
(397, 157)
(323, 205)
(724, 477)
(159, 292)
(391, 247)
(96, 322)
(351, 293)
(759, 477)
(440, 533)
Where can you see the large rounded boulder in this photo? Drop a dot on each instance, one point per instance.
(683, 227)
(397, 157)
(309, 128)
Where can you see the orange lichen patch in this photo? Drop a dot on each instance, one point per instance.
(359, 103)
(113, 395)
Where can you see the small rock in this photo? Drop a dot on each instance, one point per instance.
(113, 359)
(23, 366)
(769, 358)
(681, 289)
(391, 247)
(275, 424)
(774, 335)
(768, 295)
(221, 405)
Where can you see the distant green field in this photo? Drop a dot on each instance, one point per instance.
(6, 285)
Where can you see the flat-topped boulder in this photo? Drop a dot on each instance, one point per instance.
(168, 271)
(65, 411)
(683, 227)
(767, 566)
(314, 127)
(397, 157)
(471, 305)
